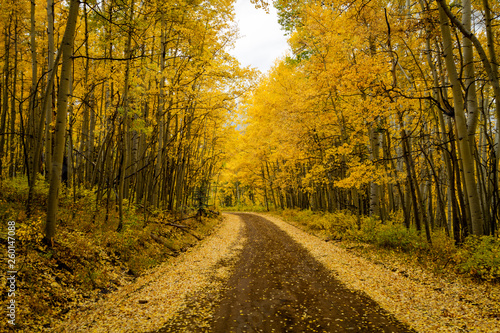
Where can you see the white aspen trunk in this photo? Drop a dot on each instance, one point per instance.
(374, 187)
(469, 73)
(80, 163)
(489, 65)
(69, 140)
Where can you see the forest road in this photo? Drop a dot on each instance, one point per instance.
(277, 286)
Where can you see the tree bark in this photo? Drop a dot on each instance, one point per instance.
(124, 159)
(374, 187)
(13, 113)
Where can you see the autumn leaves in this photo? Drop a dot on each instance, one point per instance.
(136, 96)
(380, 107)
(377, 110)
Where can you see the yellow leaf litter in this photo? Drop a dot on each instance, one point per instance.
(429, 304)
(155, 297)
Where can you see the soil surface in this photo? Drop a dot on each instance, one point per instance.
(277, 286)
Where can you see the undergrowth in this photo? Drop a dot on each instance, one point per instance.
(478, 257)
(245, 208)
(89, 258)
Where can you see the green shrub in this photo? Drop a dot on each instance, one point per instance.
(480, 257)
(338, 225)
(397, 236)
(443, 247)
(305, 217)
(369, 230)
(15, 190)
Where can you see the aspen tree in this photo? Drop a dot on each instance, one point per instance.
(13, 111)
(33, 125)
(48, 108)
(124, 128)
(461, 126)
(66, 50)
(5, 97)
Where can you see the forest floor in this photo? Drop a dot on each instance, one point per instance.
(89, 259)
(258, 273)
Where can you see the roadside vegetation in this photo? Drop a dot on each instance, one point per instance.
(478, 257)
(89, 257)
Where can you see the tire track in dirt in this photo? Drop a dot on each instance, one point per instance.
(277, 286)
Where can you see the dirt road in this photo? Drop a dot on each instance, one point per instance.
(277, 286)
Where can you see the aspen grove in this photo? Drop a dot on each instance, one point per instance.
(126, 126)
(382, 109)
(129, 99)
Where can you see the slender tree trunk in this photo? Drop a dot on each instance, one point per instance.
(49, 106)
(125, 123)
(12, 171)
(34, 142)
(84, 138)
(60, 130)
(409, 173)
(374, 187)
(469, 73)
(5, 97)
(70, 158)
(271, 186)
(440, 201)
(494, 68)
(160, 119)
(32, 124)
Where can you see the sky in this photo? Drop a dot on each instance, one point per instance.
(262, 41)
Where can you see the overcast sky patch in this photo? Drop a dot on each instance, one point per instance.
(262, 41)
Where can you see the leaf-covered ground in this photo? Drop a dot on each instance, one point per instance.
(89, 258)
(149, 302)
(195, 286)
(426, 302)
(277, 286)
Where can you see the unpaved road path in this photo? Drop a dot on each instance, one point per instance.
(277, 286)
